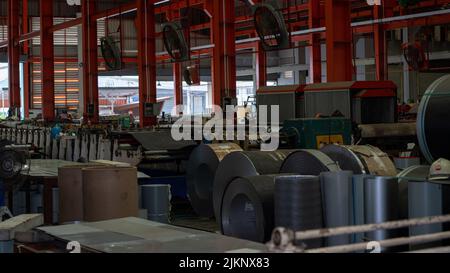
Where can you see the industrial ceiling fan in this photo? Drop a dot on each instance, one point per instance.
(271, 26)
(111, 53)
(175, 42)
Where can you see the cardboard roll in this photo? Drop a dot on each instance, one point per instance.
(110, 193)
(201, 169)
(433, 131)
(345, 158)
(308, 162)
(244, 164)
(248, 208)
(373, 160)
(298, 205)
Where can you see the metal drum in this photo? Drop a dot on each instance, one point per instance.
(201, 169)
(433, 130)
(244, 164)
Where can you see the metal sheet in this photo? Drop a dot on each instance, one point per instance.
(244, 164)
(133, 235)
(160, 140)
(298, 205)
(357, 212)
(248, 208)
(308, 162)
(201, 169)
(337, 197)
(432, 122)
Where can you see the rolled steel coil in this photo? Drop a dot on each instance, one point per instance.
(244, 164)
(345, 158)
(248, 208)
(298, 205)
(373, 160)
(201, 169)
(414, 173)
(308, 162)
(337, 203)
(381, 205)
(433, 130)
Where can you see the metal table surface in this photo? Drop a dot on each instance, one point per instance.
(134, 235)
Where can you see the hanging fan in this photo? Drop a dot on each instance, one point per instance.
(415, 56)
(270, 26)
(175, 42)
(191, 75)
(111, 53)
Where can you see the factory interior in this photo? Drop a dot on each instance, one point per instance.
(225, 126)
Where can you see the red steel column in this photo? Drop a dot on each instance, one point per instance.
(47, 61)
(13, 54)
(261, 66)
(146, 58)
(90, 62)
(224, 53)
(339, 40)
(26, 67)
(315, 52)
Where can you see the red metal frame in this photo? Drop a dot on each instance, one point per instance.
(146, 58)
(224, 52)
(339, 41)
(13, 54)
(261, 67)
(47, 61)
(26, 67)
(310, 15)
(90, 62)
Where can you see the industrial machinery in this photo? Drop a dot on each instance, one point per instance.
(364, 102)
(315, 133)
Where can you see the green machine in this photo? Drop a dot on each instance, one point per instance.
(314, 133)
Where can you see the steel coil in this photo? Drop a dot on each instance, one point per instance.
(309, 162)
(337, 198)
(298, 205)
(248, 208)
(381, 205)
(433, 130)
(345, 158)
(244, 164)
(201, 169)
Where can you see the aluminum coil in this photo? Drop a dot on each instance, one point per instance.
(357, 211)
(298, 206)
(433, 131)
(381, 205)
(414, 173)
(248, 208)
(309, 162)
(337, 198)
(345, 158)
(244, 164)
(201, 169)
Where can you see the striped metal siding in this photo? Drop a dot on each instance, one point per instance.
(66, 85)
